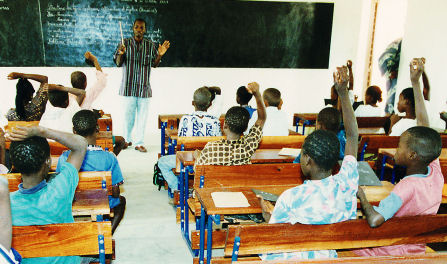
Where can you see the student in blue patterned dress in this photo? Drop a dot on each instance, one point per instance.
(96, 159)
(197, 124)
(42, 200)
(323, 198)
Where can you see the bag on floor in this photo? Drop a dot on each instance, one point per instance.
(158, 177)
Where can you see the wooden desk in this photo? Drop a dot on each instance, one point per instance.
(105, 123)
(91, 203)
(374, 194)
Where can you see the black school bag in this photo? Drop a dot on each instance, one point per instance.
(158, 177)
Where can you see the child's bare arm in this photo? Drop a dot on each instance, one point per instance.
(89, 56)
(351, 76)
(372, 216)
(253, 88)
(77, 144)
(416, 69)
(267, 208)
(349, 120)
(35, 77)
(79, 93)
(5, 215)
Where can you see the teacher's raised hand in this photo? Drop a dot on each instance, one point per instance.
(164, 47)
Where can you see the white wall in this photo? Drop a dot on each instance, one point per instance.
(425, 36)
(303, 90)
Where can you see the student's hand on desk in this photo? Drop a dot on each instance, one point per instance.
(266, 206)
(163, 48)
(253, 88)
(360, 192)
(416, 68)
(14, 75)
(20, 133)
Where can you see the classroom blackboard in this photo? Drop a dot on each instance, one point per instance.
(203, 33)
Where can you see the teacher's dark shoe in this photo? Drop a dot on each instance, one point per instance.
(141, 149)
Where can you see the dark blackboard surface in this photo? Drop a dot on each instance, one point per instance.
(203, 33)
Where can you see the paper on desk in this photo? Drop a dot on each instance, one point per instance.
(289, 152)
(229, 199)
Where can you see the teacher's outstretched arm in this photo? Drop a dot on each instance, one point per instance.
(161, 51)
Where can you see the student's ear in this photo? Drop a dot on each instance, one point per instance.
(193, 104)
(412, 155)
(266, 103)
(280, 104)
(74, 131)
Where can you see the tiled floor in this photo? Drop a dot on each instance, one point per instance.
(148, 233)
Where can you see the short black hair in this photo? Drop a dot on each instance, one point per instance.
(139, 20)
(84, 123)
(408, 95)
(202, 98)
(29, 155)
(330, 119)
(58, 98)
(78, 79)
(237, 118)
(426, 142)
(375, 93)
(272, 96)
(323, 147)
(243, 95)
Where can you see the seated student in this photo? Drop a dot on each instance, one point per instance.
(276, 123)
(243, 97)
(28, 108)
(370, 108)
(197, 124)
(7, 253)
(216, 101)
(330, 119)
(96, 159)
(406, 104)
(323, 198)
(235, 149)
(61, 108)
(420, 192)
(40, 201)
(352, 97)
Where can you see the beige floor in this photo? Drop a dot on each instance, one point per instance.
(148, 233)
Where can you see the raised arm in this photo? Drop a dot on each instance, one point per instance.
(5, 215)
(426, 84)
(253, 88)
(35, 77)
(349, 120)
(77, 144)
(89, 56)
(161, 51)
(416, 70)
(79, 93)
(351, 76)
(372, 216)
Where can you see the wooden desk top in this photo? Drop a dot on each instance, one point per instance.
(260, 156)
(306, 116)
(374, 194)
(91, 202)
(392, 151)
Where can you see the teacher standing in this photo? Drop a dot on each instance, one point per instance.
(137, 55)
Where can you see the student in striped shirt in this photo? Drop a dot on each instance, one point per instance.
(137, 55)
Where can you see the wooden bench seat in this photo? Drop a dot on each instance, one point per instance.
(73, 239)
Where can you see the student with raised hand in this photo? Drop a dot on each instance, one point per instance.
(243, 97)
(28, 108)
(40, 201)
(420, 191)
(235, 149)
(276, 124)
(323, 198)
(96, 159)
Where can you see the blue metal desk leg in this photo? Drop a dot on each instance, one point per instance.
(382, 171)
(163, 135)
(186, 196)
(209, 239)
(182, 204)
(202, 236)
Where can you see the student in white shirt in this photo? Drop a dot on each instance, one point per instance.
(370, 108)
(276, 123)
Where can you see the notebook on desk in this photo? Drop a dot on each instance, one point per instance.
(367, 177)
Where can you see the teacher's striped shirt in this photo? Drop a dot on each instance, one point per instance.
(137, 63)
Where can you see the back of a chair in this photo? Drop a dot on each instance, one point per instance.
(13, 124)
(278, 238)
(279, 142)
(88, 180)
(193, 143)
(374, 142)
(73, 239)
(372, 122)
(248, 175)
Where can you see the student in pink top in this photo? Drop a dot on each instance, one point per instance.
(420, 192)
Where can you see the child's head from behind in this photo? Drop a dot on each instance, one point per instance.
(24, 94)
(243, 96)
(406, 101)
(84, 123)
(329, 119)
(78, 80)
(272, 97)
(320, 152)
(236, 120)
(58, 98)
(419, 145)
(373, 95)
(29, 156)
(202, 99)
